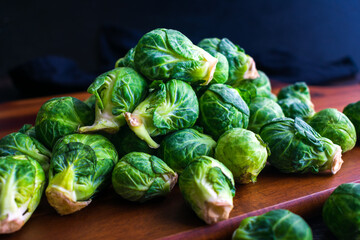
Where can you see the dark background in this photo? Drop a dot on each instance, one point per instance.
(312, 41)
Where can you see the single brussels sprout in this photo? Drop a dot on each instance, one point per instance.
(172, 106)
(222, 108)
(336, 126)
(127, 60)
(28, 129)
(22, 182)
(352, 111)
(296, 147)
(165, 54)
(141, 177)
(241, 65)
(21, 144)
(277, 224)
(181, 147)
(262, 110)
(293, 107)
(258, 87)
(59, 117)
(126, 141)
(341, 211)
(208, 187)
(298, 90)
(243, 152)
(80, 166)
(117, 91)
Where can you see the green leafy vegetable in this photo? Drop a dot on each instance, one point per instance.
(21, 144)
(81, 166)
(243, 152)
(22, 182)
(141, 177)
(336, 126)
(172, 106)
(298, 90)
(181, 147)
(165, 54)
(293, 107)
(222, 108)
(208, 187)
(278, 224)
(258, 87)
(262, 110)
(296, 147)
(340, 211)
(117, 91)
(59, 117)
(241, 65)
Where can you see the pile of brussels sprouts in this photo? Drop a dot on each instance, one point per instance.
(170, 111)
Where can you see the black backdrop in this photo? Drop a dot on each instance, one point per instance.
(312, 41)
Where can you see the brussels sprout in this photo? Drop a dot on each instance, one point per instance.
(171, 107)
(297, 90)
(127, 60)
(262, 110)
(258, 87)
(352, 111)
(296, 147)
(241, 65)
(341, 211)
(277, 224)
(183, 146)
(126, 141)
(21, 144)
(222, 108)
(165, 54)
(117, 91)
(59, 117)
(141, 177)
(80, 166)
(293, 107)
(208, 187)
(336, 126)
(22, 182)
(243, 152)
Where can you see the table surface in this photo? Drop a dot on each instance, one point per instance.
(110, 217)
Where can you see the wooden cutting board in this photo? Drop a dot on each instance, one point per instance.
(110, 217)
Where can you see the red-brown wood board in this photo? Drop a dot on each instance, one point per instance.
(110, 217)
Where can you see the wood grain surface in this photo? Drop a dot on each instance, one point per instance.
(110, 217)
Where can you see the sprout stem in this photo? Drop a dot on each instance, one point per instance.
(62, 203)
(336, 161)
(217, 211)
(137, 126)
(212, 61)
(251, 72)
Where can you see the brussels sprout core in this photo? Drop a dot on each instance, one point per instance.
(211, 68)
(216, 211)
(11, 224)
(137, 126)
(104, 120)
(251, 72)
(337, 160)
(62, 202)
